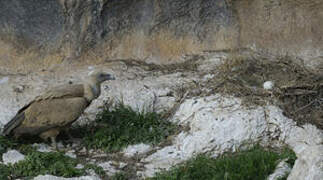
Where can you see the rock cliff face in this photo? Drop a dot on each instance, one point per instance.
(159, 31)
(44, 43)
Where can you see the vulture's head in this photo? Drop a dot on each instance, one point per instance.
(99, 77)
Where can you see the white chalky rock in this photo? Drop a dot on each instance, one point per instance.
(12, 157)
(122, 165)
(42, 147)
(282, 169)
(136, 149)
(70, 154)
(217, 125)
(305, 141)
(4, 80)
(79, 166)
(108, 167)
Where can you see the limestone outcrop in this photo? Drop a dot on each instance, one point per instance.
(51, 31)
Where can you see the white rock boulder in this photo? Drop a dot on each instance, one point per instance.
(12, 157)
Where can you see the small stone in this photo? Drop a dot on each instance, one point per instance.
(42, 147)
(60, 145)
(75, 145)
(70, 154)
(136, 149)
(99, 155)
(208, 76)
(12, 157)
(122, 165)
(79, 166)
(83, 151)
(268, 85)
(91, 172)
(108, 167)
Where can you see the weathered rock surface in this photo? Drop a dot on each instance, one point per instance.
(159, 31)
(282, 169)
(137, 149)
(215, 123)
(108, 168)
(42, 147)
(12, 157)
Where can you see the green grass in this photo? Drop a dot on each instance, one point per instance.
(120, 176)
(5, 144)
(4, 172)
(118, 128)
(254, 164)
(54, 163)
(112, 131)
(41, 163)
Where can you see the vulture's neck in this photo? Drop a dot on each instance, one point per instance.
(92, 90)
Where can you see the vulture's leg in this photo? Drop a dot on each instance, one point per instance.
(67, 132)
(52, 133)
(54, 144)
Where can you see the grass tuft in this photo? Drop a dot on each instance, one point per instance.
(5, 144)
(54, 163)
(122, 126)
(4, 172)
(256, 163)
(41, 163)
(120, 176)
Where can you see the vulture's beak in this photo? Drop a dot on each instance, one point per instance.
(109, 77)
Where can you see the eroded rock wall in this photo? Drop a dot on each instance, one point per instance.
(158, 31)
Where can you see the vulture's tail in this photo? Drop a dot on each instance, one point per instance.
(16, 121)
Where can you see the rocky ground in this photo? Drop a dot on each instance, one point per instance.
(212, 122)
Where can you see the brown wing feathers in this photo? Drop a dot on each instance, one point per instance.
(16, 121)
(63, 92)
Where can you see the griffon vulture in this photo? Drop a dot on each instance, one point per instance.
(56, 109)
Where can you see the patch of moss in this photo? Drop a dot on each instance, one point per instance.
(256, 163)
(122, 126)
